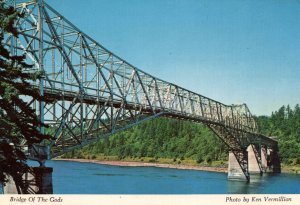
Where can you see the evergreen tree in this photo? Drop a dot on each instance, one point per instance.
(18, 121)
(284, 124)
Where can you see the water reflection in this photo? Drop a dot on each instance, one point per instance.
(243, 187)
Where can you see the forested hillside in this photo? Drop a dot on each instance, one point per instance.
(284, 125)
(161, 138)
(179, 140)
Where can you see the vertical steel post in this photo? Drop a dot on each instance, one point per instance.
(81, 80)
(44, 151)
(41, 63)
(53, 78)
(201, 107)
(111, 94)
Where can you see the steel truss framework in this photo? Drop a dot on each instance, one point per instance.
(98, 93)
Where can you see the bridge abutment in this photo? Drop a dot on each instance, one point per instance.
(38, 181)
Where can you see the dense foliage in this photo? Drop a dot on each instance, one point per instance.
(162, 138)
(18, 121)
(284, 125)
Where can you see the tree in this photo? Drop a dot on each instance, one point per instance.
(18, 121)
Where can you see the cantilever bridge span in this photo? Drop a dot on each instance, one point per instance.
(98, 93)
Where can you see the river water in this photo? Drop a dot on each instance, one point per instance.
(89, 178)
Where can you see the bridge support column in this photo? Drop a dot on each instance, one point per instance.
(38, 181)
(254, 160)
(274, 160)
(238, 166)
(264, 158)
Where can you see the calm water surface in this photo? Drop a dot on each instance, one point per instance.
(89, 178)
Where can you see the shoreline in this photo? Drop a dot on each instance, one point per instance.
(148, 164)
(163, 165)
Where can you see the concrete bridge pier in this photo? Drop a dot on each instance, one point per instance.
(238, 166)
(270, 161)
(264, 158)
(254, 160)
(274, 163)
(38, 181)
(242, 164)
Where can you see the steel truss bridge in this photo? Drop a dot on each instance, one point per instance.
(98, 93)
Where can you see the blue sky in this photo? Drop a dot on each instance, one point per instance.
(234, 51)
